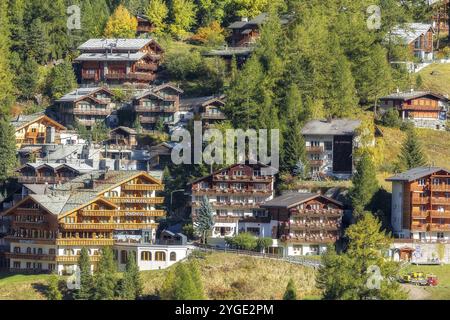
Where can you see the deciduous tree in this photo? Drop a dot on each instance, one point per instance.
(121, 24)
(156, 13)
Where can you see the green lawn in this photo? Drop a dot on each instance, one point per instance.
(21, 286)
(436, 78)
(442, 290)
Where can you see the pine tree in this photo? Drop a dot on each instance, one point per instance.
(131, 286)
(28, 79)
(182, 17)
(121, 24)
(294, 148)
(291, 292)
(364, 182)
(157, 12)
(86, 280)
(204, 221)
(53, 292)
(38, 44)
(183, 283)
(61, 80)
(411, 155)
(7, 149)
(6, 79)
(105, 278)
(362, 272)
(16, 14)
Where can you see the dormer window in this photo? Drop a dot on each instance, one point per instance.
(421, 182)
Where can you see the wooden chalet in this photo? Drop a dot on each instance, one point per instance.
(123, 136)
(209, 110)
(424, 108)
(87, 106)
(144, 25)
(50, 173)
(307, 222)
(119, 61)
(92, 211)
(418, 37)
(36, 129)
(160, 104)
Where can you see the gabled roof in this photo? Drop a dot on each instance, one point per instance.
(82, 93)
(411, 31)
(136, 56)
(334, 127)
(167, 85)
(293, 199)
(116, 44)
(409, 95)
(80, 167)
(25, 120)
(201, 101)
(126, 129)
(416, 173)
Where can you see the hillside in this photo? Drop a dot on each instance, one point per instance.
(435, 78)
(225, 276)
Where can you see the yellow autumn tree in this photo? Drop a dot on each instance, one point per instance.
(121, 24)
(212, 34)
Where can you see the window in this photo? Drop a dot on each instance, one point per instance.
(40, 251)
(421, 182)
(436, 181)
(440, 235)
(160, 256)
(28, 250)
(222, 212)
(223, 186)
(315, 143)
(146, 256)
(173, 256)
(28, 265)
(16, 264)
(123, 256)
(238, 186)
(257, 173)
(16, 249)
(328, 146)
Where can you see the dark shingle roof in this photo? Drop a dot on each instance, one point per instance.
(416, 173)
(412, 95)
(289, 200)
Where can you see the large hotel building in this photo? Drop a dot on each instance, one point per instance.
(116, 208)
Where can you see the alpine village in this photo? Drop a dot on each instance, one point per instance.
(99, 98)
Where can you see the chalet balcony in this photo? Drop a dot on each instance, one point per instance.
(147, 66)
(420, 200)
(143, 119)
(316, 213)
(143, 187)
(28, 211)
(419, 227)
(153, 200)
(156, 109)
(42, 180)
(232, 192)
(107, 226)
(309, 226)
(420, 214)
(12, 238)
(258, 179)
(30, 256)
(74, 259)
(84, 242)
(86, 122)
(233, 205)
(29, 224)
(314, 149)
(123, 213)
(88, 76)
(213, 116)
(316, 162)
(93, 111)
(439, 227)
(133, 76)
(309, 239)
(440, 187)
(228, 219)
(434, 214)
(440, 200)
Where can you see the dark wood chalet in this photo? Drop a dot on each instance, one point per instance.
(123, 137)
(144, 25)
(50, 173)
(118, 61)
(418, 37)
(425, 109)
(209, 110)
(160, 104)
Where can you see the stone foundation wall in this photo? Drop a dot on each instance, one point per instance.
(429, 123)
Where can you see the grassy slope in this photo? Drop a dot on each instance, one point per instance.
(225, 276)
(438, 82)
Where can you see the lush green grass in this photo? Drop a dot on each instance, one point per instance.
(439, 80)
(22, 287)
(442, 290)
(229, 276)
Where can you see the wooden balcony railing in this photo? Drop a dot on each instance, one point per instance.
(419, 227)
(123, 213)
(235, 205)
(12, 238)
(301, 239)
(88, 76)
(230, 191)
(143, 187)
(28, 211)
(74, 259)
(439, 227)
(153, 200)
(434, 214)
(319, 212)
(220, 219)
(420, 214)
(107, 226)
(144, 119)
(314, 149)
(213, 116)
(84, 242)
(147, 66)
(139, 76)
(306, 226)
(440, 200)
(30, 256)
(420, 200)
(29, 224)
(316, 162)
(440, 187)
(93, 111)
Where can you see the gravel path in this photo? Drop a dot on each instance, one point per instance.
(416, 292)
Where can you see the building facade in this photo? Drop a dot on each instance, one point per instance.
(87, 106)
(425, 109)
(36, 129)
(94, 210)
(306, 222)
(209, 110)
(236, 194)
(330, 145)
(119, 61)
(158, 106)
(418, 37)
(421, 204)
